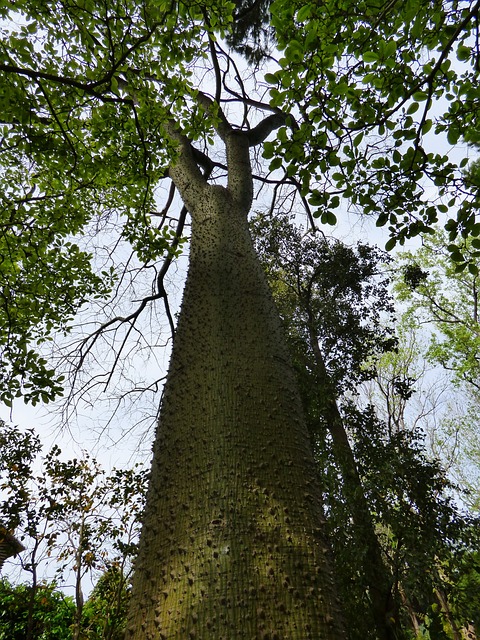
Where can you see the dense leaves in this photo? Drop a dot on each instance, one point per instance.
(50, 612)
(371, 83)
(446, 301)
(447, 298)
(44, 612)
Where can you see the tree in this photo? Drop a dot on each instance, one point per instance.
(70, 512)
(100, 103)
(53, 613)
(390, 515)
(443, 295)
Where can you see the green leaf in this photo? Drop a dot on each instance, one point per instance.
(453, 135)
(427, 125)
(390, 244)
(358, 139)
(473, 269)
(271, 78)
(329, 218)
(276, 163)
(304, 13)
(464, 53)
(420, 96)
(370, 56)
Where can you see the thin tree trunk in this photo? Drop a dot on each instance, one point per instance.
(233, 543)
(77, 625)
(414, 623)
(377, 574)
(33, 592)
(445, 607)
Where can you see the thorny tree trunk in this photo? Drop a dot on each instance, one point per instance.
(232, 545)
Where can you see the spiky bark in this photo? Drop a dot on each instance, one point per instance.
(232, 544)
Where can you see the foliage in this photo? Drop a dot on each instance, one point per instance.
(53, 612)
(466, 587)
(417, 523)
(77, 150)
(367, 79)
(250, 33)
(105, 611)
(446, 299)
(18, 449)
(71, 510)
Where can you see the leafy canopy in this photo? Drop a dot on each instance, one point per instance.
(84, 92)
(88, 90)
(372, 82)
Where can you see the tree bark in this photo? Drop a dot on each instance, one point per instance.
(233, 543)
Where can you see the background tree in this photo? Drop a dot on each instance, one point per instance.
(70, 513)
(412, 399)
(443, 296)
(50, 618)
(54, 614)
(390, 514)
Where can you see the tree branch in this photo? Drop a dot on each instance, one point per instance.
(260, 133)
(184, 170)
(222, 126)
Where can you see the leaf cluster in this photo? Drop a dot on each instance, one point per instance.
(52, 612)
(364, 77)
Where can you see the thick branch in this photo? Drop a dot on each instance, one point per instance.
(240, 180)
(222, 126)
(260, 133)
(184, 170)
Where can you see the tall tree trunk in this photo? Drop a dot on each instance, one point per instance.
(232, 545)
(377, 574)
